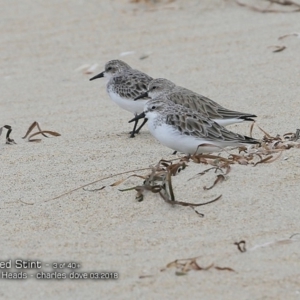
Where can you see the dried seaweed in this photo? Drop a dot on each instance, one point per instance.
(118, 182)
(294, 234)
(251, 129)
(9, 141)
(273, 144)
(224, 269)
(281, 48)
(241, 245)
(268, 159)
(145, 276)
(212, 168)
(295, 7)
(288, 35)
(269, 145)
(160, 181)
(183, 266)
(96, 181)
(42, 132)
(220, 178)
(277, 48)
(144, 56)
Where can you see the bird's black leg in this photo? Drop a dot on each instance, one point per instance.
(134, 128)
(144, 122)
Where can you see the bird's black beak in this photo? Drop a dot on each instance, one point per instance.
(140, 116)
(98, 76)
(141, 96)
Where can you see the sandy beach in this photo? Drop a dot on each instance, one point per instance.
(217, 48)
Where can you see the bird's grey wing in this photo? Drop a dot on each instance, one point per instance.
(131, 84)
(204, 105)
(198, 126)
(201, 127)
(195, 102)
(189, 123)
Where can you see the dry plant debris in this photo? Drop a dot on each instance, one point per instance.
(295, 7)
(278, 48)
(290, 34)
(9, 141)
(145, 55)
(145, 276)
(281, 48)
(42, 132)
(272, 144)
(159, 180)
(183, 266)
(242, 244)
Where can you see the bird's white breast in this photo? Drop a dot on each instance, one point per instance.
(136, 107)
(171, 137)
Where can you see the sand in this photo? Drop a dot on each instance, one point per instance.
(216, 48)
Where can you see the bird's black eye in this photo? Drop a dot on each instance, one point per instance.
(109, 68)
(153, 107)
(154, 88)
